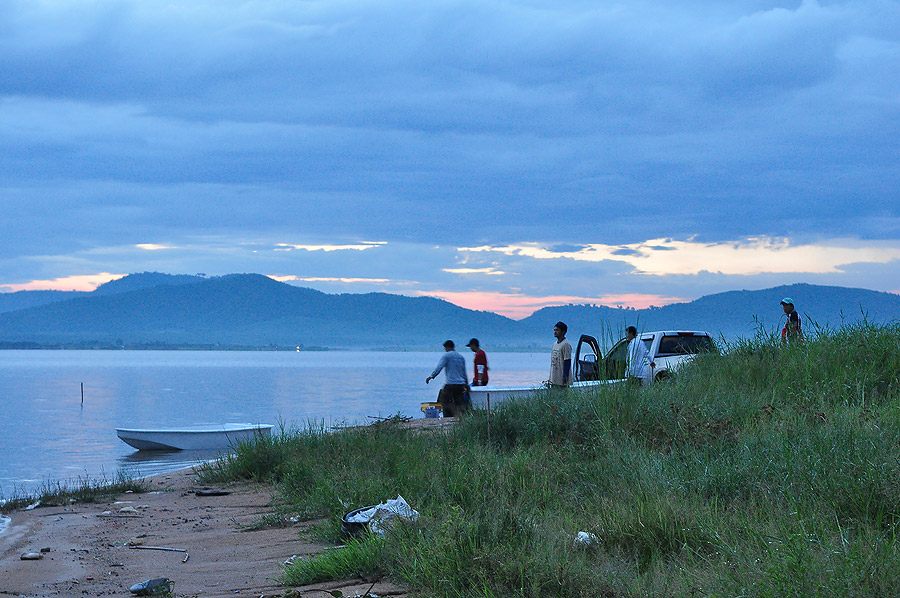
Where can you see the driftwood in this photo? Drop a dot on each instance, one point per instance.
(212, 492)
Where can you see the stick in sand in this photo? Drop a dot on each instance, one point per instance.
(157, 548)
(166, 548)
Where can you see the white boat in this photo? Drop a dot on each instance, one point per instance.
(208, 437)
(483, 397)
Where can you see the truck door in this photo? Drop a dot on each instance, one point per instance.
(586, 363)
(614, 364)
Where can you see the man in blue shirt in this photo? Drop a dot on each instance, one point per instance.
(453, 397)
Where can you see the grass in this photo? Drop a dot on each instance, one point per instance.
(82, 490)
(766, 471)
(352, 559)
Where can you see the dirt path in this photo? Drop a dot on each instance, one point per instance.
(90, 554)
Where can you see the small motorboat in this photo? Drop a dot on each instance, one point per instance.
(207, 437)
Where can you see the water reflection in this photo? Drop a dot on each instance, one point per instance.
(147, 463)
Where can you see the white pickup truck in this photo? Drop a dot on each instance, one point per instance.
(667, 350)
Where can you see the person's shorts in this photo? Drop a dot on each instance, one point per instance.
(456, 394)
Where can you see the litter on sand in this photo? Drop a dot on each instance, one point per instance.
(158, 585)
(31, 556)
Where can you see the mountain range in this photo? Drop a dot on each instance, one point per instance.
(255, 310)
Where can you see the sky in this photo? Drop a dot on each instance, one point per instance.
(502, 155)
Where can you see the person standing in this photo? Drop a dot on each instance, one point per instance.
(481, 368)
(636, 358)
(455, 391)
(560, 358)
(792, 330)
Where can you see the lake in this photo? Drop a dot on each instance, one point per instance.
(48, 435)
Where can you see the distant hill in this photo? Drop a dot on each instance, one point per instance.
(26, 299)
(132, 282)
(251, 309)
(144, 280)
(731, 314)
(248, 309)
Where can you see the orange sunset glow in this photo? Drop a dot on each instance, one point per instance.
(85, 282)
(518, 306)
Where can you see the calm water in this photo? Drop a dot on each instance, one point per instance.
(48, 435)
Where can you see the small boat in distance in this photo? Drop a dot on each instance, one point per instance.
(207, 437)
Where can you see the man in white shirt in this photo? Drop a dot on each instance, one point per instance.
(637, 358)
(560, 357)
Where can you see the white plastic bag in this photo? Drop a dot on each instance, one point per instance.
(381, 517)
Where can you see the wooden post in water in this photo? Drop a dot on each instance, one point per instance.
(489, 415)
(82, 393)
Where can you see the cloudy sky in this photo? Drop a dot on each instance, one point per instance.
(504, 155)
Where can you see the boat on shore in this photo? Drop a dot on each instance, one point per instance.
(205, 437)
(484, 397)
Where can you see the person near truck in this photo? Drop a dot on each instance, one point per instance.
(560, 358)
(481, 368)
(636, 358)
(792, 330)
(453, 397)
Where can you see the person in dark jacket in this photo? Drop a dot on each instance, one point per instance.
(792, 330)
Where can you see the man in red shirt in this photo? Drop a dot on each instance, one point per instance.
(481, 367)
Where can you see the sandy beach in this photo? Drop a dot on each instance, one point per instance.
(89, 549)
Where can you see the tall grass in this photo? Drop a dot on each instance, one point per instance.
(768, 470)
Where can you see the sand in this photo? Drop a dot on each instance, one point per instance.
(90, 554)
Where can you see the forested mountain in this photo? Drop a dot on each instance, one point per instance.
(247, 309)
(26, 299)
(730, 314)
(254, 310)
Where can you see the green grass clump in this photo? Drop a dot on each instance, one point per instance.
(82, 490)
(352, 559)
(768, 470)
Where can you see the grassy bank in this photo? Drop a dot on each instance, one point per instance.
(768, 471)
(82, 490)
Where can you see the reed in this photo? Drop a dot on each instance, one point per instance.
(81, 490)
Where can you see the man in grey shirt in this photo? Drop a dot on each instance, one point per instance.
(453, 397)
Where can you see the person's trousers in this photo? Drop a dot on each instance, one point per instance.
(453, 399)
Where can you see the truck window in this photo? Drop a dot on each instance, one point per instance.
(683, 345)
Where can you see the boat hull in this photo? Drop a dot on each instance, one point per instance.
(483, 397)
(215, 437)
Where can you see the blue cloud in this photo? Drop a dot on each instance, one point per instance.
(458, 123)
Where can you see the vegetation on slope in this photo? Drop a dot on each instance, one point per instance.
(769, 470)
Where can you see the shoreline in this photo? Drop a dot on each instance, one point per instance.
(94, 548)
(102, 479)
